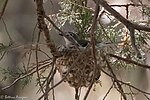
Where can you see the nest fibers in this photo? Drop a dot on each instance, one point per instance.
(80, 69)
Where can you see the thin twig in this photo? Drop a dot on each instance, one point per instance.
(37, 62)
(30, 54)
(50, 77)
(133, 41)
(128, 84)
(2, 55)
(31, 72)
(108, 91)
(92, 36)
(126, 5)
(146, 97)
(5, 26)
(120, 89)
(132, 93)
(126, 22)
(53, 91)
(51, 73)
(3, 9)
(130, 61)
(42, 26)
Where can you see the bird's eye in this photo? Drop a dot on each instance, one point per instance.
(67, 34)
(71, 34)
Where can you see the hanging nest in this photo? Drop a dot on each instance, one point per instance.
(80, 70)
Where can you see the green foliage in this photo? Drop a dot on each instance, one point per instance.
(10, 74)
(77, 15)
(1, 2)
(3, 47)
(146, 10)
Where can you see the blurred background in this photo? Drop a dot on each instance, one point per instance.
(20, 19)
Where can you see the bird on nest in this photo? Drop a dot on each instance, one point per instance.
(82, 72)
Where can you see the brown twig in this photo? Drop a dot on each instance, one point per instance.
(146, 97)
(126, 5)
(50, 77)
(6, 29)
(126, 22)
(92, 36)
(3, 9)
(133, 41)
(4, 50)
(129, 61)
(37, 62)
(30, 72)
(132, 93)
(51, 73)
(30, 54)
(108, 91)
(42, 26)
(120, 89)
(127, 84)
(53, 91)
(2, 55)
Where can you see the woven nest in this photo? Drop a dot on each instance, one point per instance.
(80, 70)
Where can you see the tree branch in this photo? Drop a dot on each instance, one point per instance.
(131, 26)
(125, 83)
(93, 50)
(129, 61)
(120, 88)
(118, 16)
(43, 27)
(3, 9)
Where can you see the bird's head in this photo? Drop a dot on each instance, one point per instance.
(75, 37)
